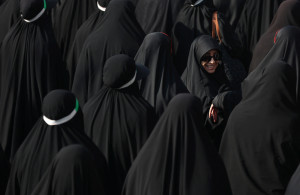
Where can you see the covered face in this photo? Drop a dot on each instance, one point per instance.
(210, 60)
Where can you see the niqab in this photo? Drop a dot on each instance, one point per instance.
(119, 33)
(178, 158)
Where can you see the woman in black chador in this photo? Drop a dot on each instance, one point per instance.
(163, 82)
(91, 24)
(205, 78)
(118, 33)
(157, 15)
(73, 171)
(260, 145)
(117, 118)
(67, 17)
(61, 125)
(200, 17)
(287, 14)
(178, 157)
(30, 67)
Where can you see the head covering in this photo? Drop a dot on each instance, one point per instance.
(74, 171)
(119, 33)
(67, 17)
(32, 10)
(260, 145)
(199, 82)
(120, 71)
(163, 83)
(30, 67)
(293, 187)
(9, 14)
(44, 141)
(157, 15)
(118, 120)
(287, 14)
(286, 48)
(178, 158)
(194, 19)
(91, 24)
(254, 21)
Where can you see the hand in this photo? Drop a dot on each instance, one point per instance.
(213, 112)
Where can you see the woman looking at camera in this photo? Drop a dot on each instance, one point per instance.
(205, 78)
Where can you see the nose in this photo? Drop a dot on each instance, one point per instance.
(212, 60)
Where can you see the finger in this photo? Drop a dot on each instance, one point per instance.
(210, 111)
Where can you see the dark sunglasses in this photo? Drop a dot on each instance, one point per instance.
(207, 58)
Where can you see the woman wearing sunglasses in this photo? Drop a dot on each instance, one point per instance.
(205, 77)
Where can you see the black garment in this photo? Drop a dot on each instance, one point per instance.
(263, 127)
(9, 14)
(286, 48)
(44, 141)
(287, 14)
(178, 158)
(193, 21)
(92, 23)
(260, 145)
(293, 186)
(74, 171)
(30, 67)
(4, 171)
(210, 88)
(67, 17)
(254, 21)
(157, 15)
(119, 33)
(232, 9)
(119, 121)
(163, 83)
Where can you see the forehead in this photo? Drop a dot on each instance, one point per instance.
(212, 52)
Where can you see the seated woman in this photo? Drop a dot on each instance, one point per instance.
(205, 78)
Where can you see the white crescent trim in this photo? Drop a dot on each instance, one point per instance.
(100, 7)
(129, 82)
(36, 17)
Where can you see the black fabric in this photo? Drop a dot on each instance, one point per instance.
(30, 67)
(67, 17)
(119, 33)
(199, 82)
(254, 21)
(4, 171)
(178, 158)
(43, 143)
(193, 21)
(210, 87)
(260, 145)
(9, 14)
(287, 14)
(92, 23)
(286, 48)
(119, 121)
(293, 186)
(163, 82)
(157, 15)
(74, 171)
(232, 9)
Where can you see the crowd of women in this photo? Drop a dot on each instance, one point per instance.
(148, 97)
